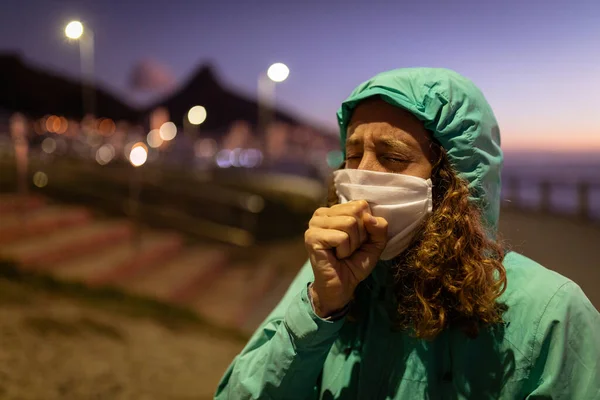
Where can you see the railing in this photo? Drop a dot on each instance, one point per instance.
(584, 207)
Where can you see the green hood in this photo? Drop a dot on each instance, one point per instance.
(457, 114)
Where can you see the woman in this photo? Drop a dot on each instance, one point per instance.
(407, 293)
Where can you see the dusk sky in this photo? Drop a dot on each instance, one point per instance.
(537, 62)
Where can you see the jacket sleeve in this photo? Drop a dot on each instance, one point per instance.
(285, 356)
(566, 353)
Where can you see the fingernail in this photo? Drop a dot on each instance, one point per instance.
(372, 220)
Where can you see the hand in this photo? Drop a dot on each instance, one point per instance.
(344, 243)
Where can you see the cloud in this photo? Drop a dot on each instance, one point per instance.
(151, 75)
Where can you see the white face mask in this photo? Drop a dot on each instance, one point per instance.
(404, 201)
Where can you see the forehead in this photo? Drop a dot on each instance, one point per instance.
(377, 120)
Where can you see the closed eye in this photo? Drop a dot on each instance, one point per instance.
(394, 159)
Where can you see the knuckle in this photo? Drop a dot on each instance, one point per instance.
(359, 206)
(320, 211)
(309, 236)
(350, 222)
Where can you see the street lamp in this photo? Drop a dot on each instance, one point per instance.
(137, 157)
(267, 81)
(278, 72)
(75, 31)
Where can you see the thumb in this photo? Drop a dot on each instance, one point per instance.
(377, 228)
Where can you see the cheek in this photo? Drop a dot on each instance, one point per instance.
(421, 169)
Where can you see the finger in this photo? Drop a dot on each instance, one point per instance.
(346, 223)
(377, 228)
(356, 208)
(328, 239)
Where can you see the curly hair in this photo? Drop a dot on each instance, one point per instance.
(452, 273)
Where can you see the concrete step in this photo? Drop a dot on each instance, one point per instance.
(16, 203)
(44, 220)
(46, 251)
(123, 261)
(182, 277)
(229, 299)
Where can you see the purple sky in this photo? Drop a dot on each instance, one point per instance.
(538, 62)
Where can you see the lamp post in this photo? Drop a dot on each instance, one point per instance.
(137, 157)
(267, 82)
(75, 31)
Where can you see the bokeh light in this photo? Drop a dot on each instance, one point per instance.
(53, 124)
(154, 140)
(223, 158)
(234, 157)
(138, 154)
(107, 127)
(105, 154)
(74, 30)
(63, 125)
(250, 158)
(40, 179)
(168, 131)
(255, 203)
(205, 148)
(278, 72)
(49, 145)
(197, 115)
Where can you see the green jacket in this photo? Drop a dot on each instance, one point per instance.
(548, 347)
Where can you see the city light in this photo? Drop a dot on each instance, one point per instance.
(49, 145)
(278, 72)
(105, 154)
(168, 131)
(205, 148)
(40, 179)
(197, 115)
(250, 158)
(138, 154)
(154, 140)
(53, 124)
(223, 158)
(74, 30)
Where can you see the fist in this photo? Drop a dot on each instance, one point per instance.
(344, 243)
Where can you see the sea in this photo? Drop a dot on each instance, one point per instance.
(562, 171)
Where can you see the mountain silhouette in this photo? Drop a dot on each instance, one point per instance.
(223, 105)
(36, 92)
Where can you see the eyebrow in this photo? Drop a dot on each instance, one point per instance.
(385, 141)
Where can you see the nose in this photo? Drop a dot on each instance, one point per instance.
(369, 162)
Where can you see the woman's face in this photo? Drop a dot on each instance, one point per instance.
(385, 138)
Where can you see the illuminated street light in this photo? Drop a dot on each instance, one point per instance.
(267, 81)
(197, 115)
(138, 155)
(168, 131)
(74, 30)
(278, 72)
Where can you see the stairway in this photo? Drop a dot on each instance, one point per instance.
(71, 244)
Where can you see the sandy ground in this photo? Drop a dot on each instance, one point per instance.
(565, 245)
(56, 347)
